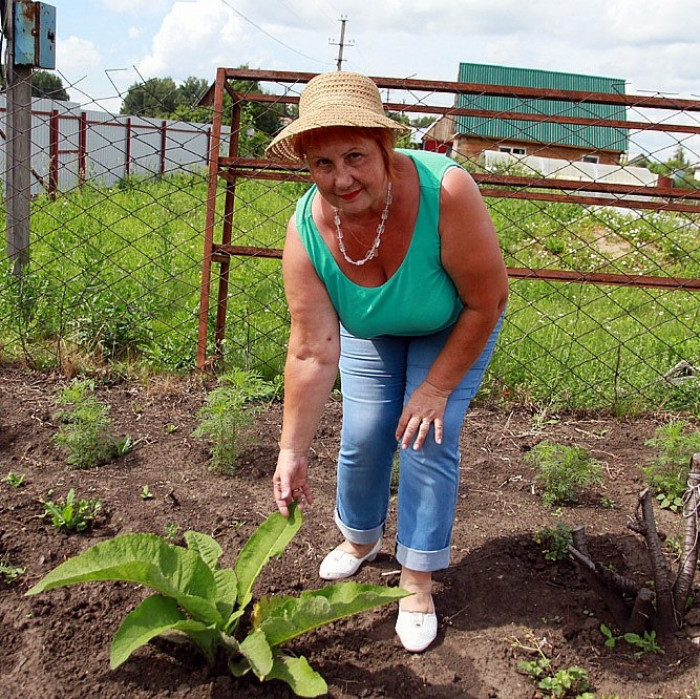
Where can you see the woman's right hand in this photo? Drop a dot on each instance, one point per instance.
(290, 482)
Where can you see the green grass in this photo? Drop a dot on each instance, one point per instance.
(115, 280)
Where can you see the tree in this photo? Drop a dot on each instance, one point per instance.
(44, 84)
(161, 98)
(678, 167)
(157, 98)
(192, 90)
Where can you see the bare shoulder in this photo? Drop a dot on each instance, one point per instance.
(459, 189)
(462, 208)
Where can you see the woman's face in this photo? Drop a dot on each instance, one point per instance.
(349, 171)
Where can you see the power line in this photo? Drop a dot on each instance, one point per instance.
(267, 34)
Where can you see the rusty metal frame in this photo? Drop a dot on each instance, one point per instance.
(231, 167)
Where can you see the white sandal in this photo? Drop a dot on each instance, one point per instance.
(417, 630)
(339, 564)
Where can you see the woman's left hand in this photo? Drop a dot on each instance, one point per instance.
(425, 407)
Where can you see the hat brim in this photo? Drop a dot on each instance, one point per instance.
(282, 145)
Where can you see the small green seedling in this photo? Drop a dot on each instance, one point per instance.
(554, 541)
(172, 531)
(194, 596)
(85, 430)
(9, 572)
(146, 493)
(564, 471)
(15, 480)
(646, 643)
(667, 474)
(569, 682)
(229, 411)
(72, 515)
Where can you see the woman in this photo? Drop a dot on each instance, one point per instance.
(393, 272)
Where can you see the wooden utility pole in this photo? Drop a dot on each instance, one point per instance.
(341, 44)
(18, 149)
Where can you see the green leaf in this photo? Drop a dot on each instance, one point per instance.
(270, 539)
(207, 547)
(153, 616)
(299, 675)
(145, 559)
(238, 668)
(284, 619)
(226, 591)
(257, 651)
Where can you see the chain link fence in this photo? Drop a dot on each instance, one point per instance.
(165, 263)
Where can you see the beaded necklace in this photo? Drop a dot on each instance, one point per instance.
(373, 251)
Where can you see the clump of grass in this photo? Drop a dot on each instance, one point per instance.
(565, 471)
(229, 411)
(85, 430)
(667, 474)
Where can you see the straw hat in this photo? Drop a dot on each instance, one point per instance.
(340, 98)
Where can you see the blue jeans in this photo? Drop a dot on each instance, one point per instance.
(377, 377)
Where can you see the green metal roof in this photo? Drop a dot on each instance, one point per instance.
(590, 137)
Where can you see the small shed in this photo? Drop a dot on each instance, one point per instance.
(469, 136)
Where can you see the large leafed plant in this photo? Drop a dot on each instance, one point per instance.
(195, 596)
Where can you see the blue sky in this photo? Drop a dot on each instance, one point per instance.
(104, 46)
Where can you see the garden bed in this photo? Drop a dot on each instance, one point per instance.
(499, 600)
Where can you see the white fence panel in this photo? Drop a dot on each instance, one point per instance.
(111, 147)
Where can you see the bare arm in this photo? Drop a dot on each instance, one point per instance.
(310, 370)
(472, 257)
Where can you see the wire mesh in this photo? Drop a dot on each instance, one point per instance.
(157, 242)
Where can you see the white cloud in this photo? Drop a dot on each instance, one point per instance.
(76, 56)
(194, 37)
(137, 6)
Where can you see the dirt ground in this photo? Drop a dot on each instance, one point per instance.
(498, 601)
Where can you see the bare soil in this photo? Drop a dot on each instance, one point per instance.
(498, 601)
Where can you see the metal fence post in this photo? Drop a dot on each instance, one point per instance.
(54, 131)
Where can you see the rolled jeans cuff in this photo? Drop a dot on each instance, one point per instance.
(359, 536)
(423, 561)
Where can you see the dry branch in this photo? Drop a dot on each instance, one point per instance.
(689, 557)
(665, 620)
(661, 609)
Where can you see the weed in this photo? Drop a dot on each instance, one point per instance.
(85, 430)
(9, 572)
(195, 596)
(72, 515)
(646, 643)
(227, 414)
(172, 531)
(554, 541)
(568, 682)
(565, 471)
(16, 480)
(146, 493)
(667, 474)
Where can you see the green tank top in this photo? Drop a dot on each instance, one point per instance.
(419, 298)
